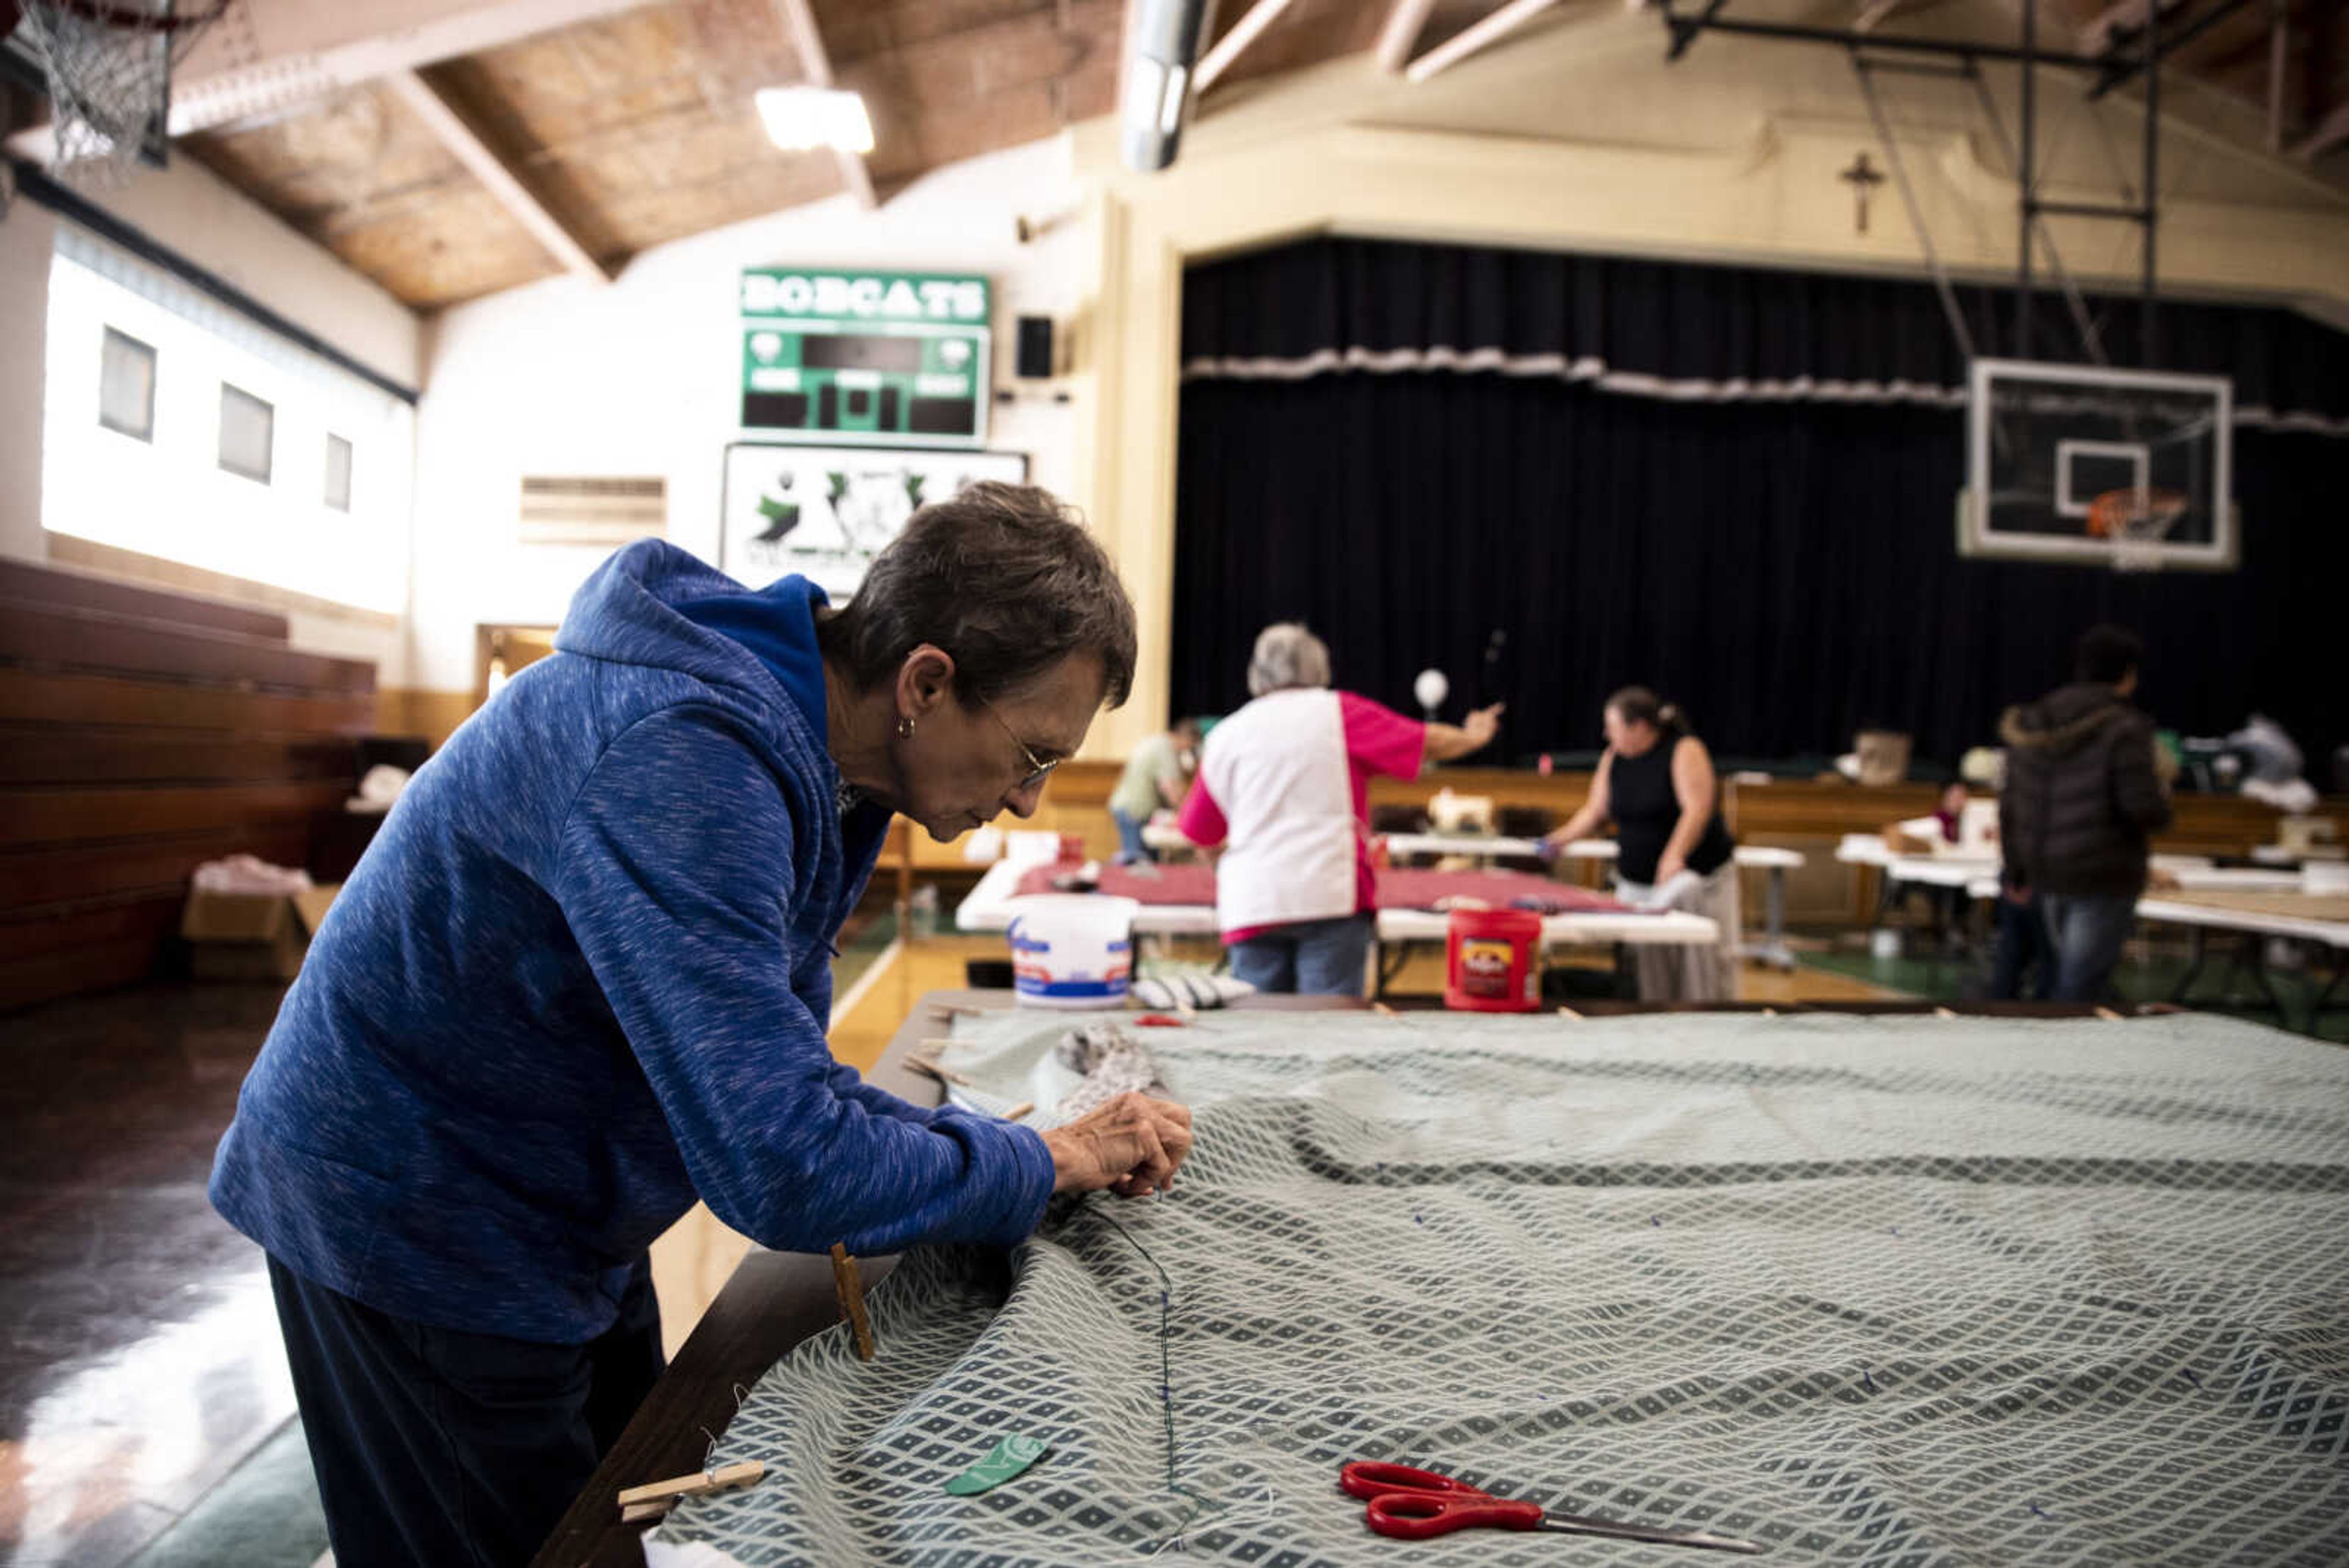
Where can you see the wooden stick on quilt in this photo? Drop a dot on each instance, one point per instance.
(844, 1280)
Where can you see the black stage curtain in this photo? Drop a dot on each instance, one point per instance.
(1788, 570)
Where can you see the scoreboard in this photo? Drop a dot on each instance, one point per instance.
(870, 357)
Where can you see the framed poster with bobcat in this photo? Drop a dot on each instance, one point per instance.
(825, 512)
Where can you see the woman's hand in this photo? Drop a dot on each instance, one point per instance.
(1132, 1146)
(1448, 742)
(1669, 865)
(1483, 724)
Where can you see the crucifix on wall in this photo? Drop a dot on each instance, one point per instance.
(1863, 177)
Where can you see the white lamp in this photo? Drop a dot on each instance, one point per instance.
(1431, 689)
(799, 118)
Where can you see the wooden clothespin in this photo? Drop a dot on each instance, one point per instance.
(654, 1499)
(1383, 1010)
(1021, 1109)
(851, 1290)
(1943, 1012)
(1569, 1012)
(2108, 1015)
(923, 1065)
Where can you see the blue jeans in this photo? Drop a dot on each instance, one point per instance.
(1311, 958)
(1132, 851)
(2023, 948)
(2087, 930)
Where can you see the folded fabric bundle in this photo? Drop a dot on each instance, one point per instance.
(1112, 1063)
(251, 875)
(1187, 988)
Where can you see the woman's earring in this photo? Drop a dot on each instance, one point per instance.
(904, 729)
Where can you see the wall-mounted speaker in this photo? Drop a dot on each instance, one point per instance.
(1033, 360)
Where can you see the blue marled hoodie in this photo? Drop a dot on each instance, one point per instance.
(582, 976)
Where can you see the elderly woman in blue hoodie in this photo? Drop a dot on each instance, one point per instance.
(584, 975)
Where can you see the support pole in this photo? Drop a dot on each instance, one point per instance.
(2090, 339)
(2279, 66)
(2027, 174)
(2150, 331)
(1950, 308)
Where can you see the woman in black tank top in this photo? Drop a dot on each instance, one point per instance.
(1657, 783)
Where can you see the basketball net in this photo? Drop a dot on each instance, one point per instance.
(2135, 520)
(108, 65)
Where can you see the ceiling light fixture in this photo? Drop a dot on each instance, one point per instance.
(799, 118)
(1162, 41)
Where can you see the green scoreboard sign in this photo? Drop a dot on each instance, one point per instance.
(881, 358)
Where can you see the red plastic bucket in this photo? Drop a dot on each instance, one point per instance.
(1493, 960)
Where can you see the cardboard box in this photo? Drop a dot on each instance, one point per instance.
(240, 936)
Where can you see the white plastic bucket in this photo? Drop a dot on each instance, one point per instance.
(1071, 950)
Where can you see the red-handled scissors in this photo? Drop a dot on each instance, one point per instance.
(1416, 1505)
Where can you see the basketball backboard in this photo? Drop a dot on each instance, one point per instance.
(2117, 468)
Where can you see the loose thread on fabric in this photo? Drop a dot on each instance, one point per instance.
(1165, 1362)
(710, 1453)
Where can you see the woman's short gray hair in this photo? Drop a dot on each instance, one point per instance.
(1287, 655)
(1004, 578)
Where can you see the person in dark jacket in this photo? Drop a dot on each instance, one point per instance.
(583, 975)
(2085, 789)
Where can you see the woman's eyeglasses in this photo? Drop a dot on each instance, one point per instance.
(1037, 771)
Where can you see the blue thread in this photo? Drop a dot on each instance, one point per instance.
(1866, 1381)
(1657, 1220)
(1166, 1353)
(2037, 1512)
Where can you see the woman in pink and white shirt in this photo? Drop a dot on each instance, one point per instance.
(1284, 785)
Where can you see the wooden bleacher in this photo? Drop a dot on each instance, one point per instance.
(142, 732)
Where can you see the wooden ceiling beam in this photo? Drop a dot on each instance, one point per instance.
(1228, 48)
(797, 18)
(1874, 13)
(1499, 25)
(275, 55)
(1406, 19)
(464, 142)
(2327, 136)
(2123, 22)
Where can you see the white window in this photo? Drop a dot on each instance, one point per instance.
(126, 385)
(248, 432)
(249, 465)
(338, 472)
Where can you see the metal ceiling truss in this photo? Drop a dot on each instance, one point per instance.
(2138, 35)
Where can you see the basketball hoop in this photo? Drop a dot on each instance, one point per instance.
(2135, 520)
(108, 66)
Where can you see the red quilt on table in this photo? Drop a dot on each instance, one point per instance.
(1398, 889)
